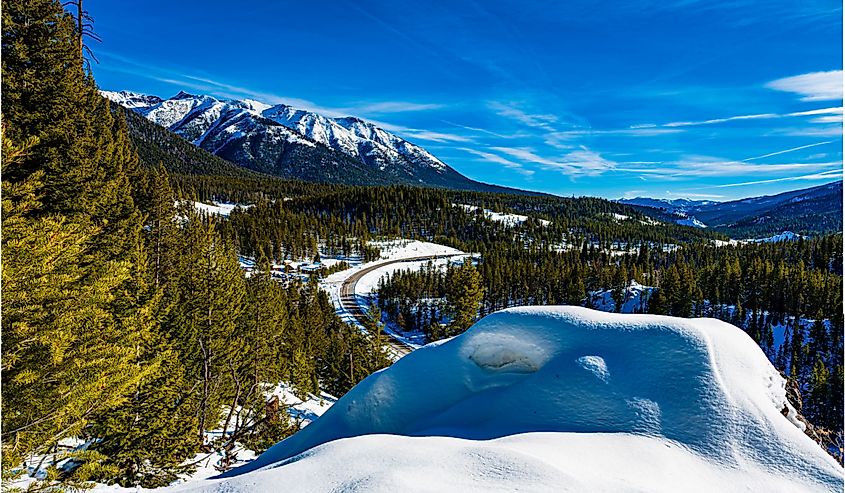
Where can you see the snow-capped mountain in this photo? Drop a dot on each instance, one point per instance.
(132, 100)
(294, 143)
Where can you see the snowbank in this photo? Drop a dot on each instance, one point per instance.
(559, 398)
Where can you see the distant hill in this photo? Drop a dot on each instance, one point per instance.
(809, 211)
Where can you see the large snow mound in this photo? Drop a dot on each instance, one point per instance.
(559, 398)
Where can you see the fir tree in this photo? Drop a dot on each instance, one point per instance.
(464, 296)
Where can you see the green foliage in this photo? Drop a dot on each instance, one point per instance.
(464, 294)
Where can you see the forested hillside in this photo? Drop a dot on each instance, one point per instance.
(810, 211)
(126, 324)
(130, 324)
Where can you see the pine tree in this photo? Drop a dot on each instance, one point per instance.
(148, 437)
(72, 310)
(66, 356)
(204, 321)
(464, 296)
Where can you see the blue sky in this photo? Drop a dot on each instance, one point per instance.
(696, 99)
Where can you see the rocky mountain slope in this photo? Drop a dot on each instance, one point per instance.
(293, 143)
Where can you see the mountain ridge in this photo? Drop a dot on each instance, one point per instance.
(292, 143)
(807, 211)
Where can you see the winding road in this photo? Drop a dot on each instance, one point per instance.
(396, 348)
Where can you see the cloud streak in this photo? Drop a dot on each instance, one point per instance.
(494, 158)
(785, 151)
(542, 121)
(758, 116)
(579, 162)
(825, 175)
(814, 86)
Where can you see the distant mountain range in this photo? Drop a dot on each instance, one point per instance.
(809, 211)
(669, 205)
(297, 144)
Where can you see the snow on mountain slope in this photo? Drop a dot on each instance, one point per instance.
(131, 100)
(258, 136)
(785, 236)
(690, 221)
(559, 399)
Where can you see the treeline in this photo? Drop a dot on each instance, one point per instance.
(127, 323)
(352, 215)
(755, 286)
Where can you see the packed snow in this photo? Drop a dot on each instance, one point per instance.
(635, 299)
(785, 236)
(558, 399)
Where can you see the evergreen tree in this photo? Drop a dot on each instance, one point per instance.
(464, 296)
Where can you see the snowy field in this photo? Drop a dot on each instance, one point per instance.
(219, 208)
(606, 402)
(502, 217)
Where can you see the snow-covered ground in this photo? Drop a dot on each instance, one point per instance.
(219, 208)
(635, 299)
(785, 236)
(690, 221)
(502, 217)
(558, 399)
(390, 251)
(305, 411)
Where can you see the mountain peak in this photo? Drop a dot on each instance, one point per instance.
(184, 95)
(274, 138)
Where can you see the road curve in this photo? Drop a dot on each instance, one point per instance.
(349, 302)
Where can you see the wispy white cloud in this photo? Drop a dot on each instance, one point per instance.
(823, 176)
(395, 107)
(638, 131)
(722, 120)
(705, 166)
(495, 158)
(777, 153)
(434, 136)
(579, 162)
(514, 135)
(814, 86)
(820, 131)
(526, 154)
(542, 121)
(756, 116)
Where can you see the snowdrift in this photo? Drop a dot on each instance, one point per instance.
(559, 399)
